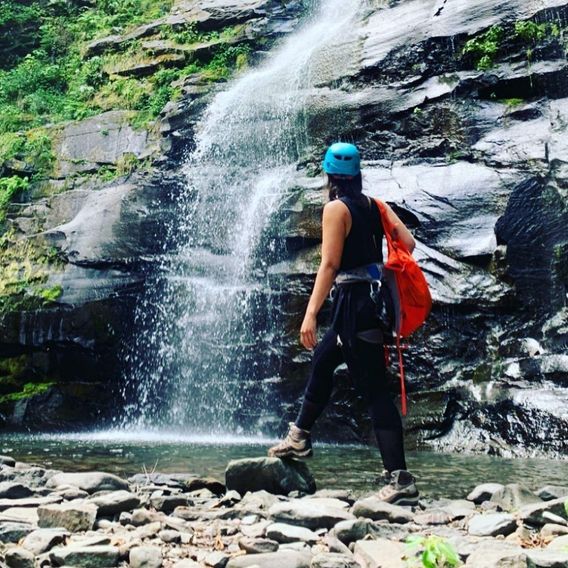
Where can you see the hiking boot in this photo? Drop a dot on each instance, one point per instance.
(296, 444)
(401, 489)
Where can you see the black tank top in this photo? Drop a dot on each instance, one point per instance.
(363, 244)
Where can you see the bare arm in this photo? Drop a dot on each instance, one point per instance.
(400, 232)
(335, 224)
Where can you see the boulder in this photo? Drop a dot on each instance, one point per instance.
(14, 531)
(11, 490)
(376, 509)
(514, 496)
(484, 492)
(169, 536)
(216, 559)
(167, 503)
(42, 540)
(350, 531)
(98, 556)
(28, 502)
(20, 514)
(283, 533)
(7, 460)
(380, 553)
(145, 557)
(334, 560)
(536, 514)
(492, 524)
(559, 543)
(270, 474)
(114, 502)
(257, 545)
(73, 517)
(91, 481)
(550, 492)
(19, 558)
(498, 555)
(548, 558)
(310, 513)
(279, 559)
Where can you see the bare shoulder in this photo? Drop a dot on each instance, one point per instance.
(336, 208)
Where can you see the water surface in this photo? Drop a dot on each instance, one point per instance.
(334, 466)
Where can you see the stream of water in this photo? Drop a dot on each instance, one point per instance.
(203, 357)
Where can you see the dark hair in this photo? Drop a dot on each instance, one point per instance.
(342, 187)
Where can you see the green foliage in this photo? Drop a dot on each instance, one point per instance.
(9, 187)
(531, 32)
(28, 390)
(512, 103)
(484, 48)
(434, 551)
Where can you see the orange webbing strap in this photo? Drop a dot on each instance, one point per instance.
(402, 384)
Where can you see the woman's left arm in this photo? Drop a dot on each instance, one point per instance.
(400, 232)
(334, 230)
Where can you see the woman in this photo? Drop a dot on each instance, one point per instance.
(352, 258)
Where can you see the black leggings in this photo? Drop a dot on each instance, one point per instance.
(366, 364)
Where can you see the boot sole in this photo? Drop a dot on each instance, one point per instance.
(294, 454)
(406, 501)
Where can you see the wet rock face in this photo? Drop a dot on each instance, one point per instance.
(473, 159)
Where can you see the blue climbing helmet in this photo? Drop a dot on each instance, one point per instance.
(342, 158)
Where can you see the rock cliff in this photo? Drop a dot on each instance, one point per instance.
(460, 111)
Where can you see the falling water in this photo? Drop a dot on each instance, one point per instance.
(205, 357)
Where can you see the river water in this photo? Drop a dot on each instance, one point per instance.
(333, 466)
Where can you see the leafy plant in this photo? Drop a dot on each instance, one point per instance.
(434, 551)
(10, 186)
(484, 48)
(532, 32)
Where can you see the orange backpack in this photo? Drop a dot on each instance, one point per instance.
(408, 286)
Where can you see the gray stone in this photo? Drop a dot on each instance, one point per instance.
(28, 502)
(551, 530)
(167, 503)
(284, 533)
(559, 543)
(376, 509)
(380, 553)
(514, 496)
(114, 502)
(91, 481)
(169, 535)
(7, 460)
(145, 557)
(492, 524)
(187, 563)
(10, 490)
(42, 540)
(73, 517)
(20, 514)
(498, 556)
(334, 560)
(258, 545)
(147, 531)
(141, 517)
(216, 559)
(484, 492)
(534, 514)
(14, 531)
(279, 559)
(335, 545)
(548, 558)
(350, 531)
(19, 558)
(271, 474)
(550, 492)
(98, 556)
(459, 509)
(310, 513)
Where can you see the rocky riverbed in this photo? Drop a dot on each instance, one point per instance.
(267, 512)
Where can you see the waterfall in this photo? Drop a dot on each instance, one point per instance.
(204, 358)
